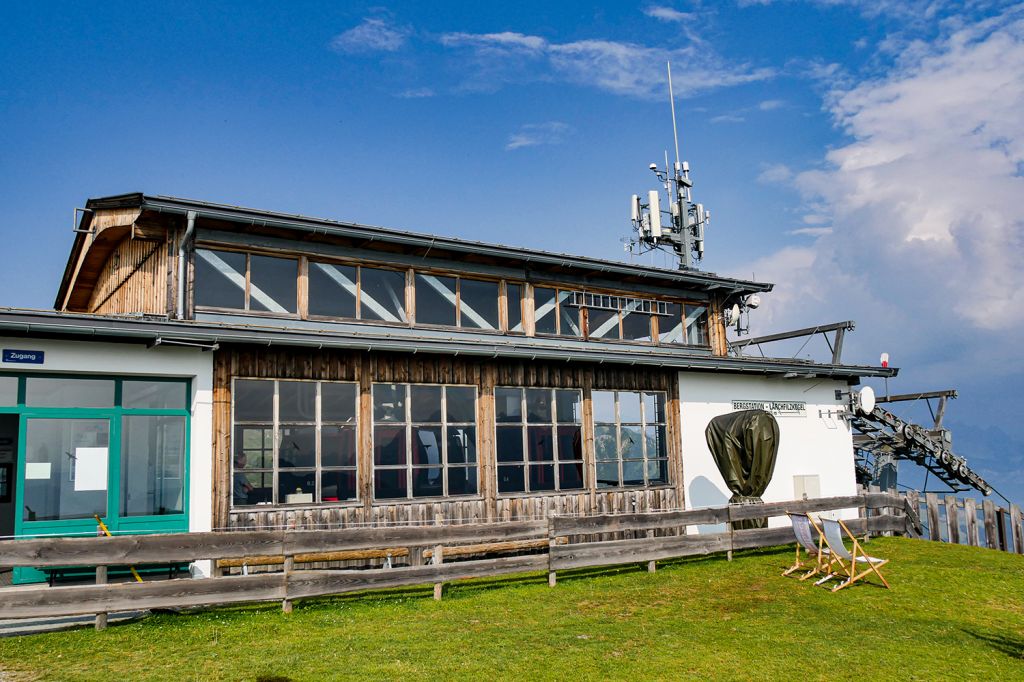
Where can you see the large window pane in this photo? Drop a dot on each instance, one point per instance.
(670, 326)
(570, 442)
(570, 476)
(478, 304)
(426, 445)
(461, 404)
(390, 484)
(61, 392)
(296, 401)
(8, 391)
(254, 400)
(511, 479)
(539, 444)
(273, 284)
(462, 480)
(508, 404)
(629, 407)
(296, 446)
(338, 402)
(254, 446)
(154, 395)
(696, 325)
(338, 485)
(152, 465)
(568, 406)
(542, 477)
(630, 438)
(568, 315)
(509, 443)
(389, 403)
(636, 325)
(389, 445)
(602, 324)
(296, 487)
(332, 290)
(219, 279)
(604, 406)
(425, 404)
(338, 446)
(66, 469)
(428, 482)
(514, 303)
(461, 444)
(435, 300)
(605, 447)
(544, 311)
(538, 405)
(382, 295)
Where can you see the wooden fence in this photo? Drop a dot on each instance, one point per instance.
(558, 543)
(968, 522)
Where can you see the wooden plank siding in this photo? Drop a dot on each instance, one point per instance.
(133, 279)
(367, 368)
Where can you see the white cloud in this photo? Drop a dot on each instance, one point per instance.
(416, 93)
(771, 104)
(373, 35)
(924, 203)
(728, 118)
(617, 67)
(810, 231)
(668, 14)
(775, 173)
(535, 134)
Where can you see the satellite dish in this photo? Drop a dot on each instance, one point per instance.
(866, 400)
(732, 314)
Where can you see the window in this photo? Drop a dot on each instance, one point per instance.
(8, 391)
(696, 324)
(629, 439)
(333, 290)
(152, 465)
(294, 441)
(514, 306)
(456, 302)
(545, 313)
(670, 327)
(224, 279)
(68, 392)
(636, 322)
(538, 439)
(556, 312)
(424, 441)
(478, 304)
(436, 300)
(382, 295)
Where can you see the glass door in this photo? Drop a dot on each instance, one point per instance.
(66, 474)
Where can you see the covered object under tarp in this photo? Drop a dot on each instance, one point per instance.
(744, 446)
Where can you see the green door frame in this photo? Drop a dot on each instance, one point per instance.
(118, 524)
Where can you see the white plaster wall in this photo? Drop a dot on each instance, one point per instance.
(809, 444)
(90, 357)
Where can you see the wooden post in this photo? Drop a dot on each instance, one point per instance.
(953, 519)
(415, 556)
(971, 519)
(438, 558)
(913, 507)
(934, 532)
(289, 566)
(651, 565)
(1017, 529)
(551, 545)
(991, 534)
(101, 579)
(1001, 517)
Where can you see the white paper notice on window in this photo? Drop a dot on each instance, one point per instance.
(35, 471)
(90, 469)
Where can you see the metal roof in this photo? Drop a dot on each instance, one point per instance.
(204, 209)
(211, 332)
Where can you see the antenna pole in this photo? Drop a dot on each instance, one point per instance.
(672, 103)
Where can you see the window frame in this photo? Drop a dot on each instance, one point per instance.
(644, 425)
(502, 321)
(276, 498)
(196, 307)
(408, 425)
(556, 461)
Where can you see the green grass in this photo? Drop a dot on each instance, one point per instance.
(953, 612)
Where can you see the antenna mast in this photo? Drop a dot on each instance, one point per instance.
(684, 233)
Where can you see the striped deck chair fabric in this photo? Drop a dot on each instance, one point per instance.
(850, 563)
(805, 531)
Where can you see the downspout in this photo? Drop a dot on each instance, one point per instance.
(181, 264)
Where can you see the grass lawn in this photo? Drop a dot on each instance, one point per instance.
(953, 612)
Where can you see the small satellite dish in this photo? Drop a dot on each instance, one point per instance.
(732, 314)
(866, 400)
(753, 301)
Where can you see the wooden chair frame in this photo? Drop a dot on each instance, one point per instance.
(819, 555)
(847, 561)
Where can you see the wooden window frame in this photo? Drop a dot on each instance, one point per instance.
(298, 260)
(644, 424)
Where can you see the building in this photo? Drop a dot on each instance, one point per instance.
(209, 366)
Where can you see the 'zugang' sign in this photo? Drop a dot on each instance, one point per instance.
(24, 357)
(776, 407)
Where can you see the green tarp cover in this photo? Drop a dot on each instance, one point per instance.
(744, 445)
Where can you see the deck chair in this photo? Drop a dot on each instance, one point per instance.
(804, 528)
(849, 563)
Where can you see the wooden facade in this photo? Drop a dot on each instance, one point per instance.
(369, 368)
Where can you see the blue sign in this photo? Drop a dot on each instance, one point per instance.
(24, 357)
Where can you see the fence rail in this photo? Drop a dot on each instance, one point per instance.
(431, 554)
(966, 522)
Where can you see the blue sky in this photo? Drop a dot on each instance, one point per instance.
(866, 156)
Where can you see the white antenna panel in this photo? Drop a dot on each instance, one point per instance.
(655, 208)
(634, 208)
